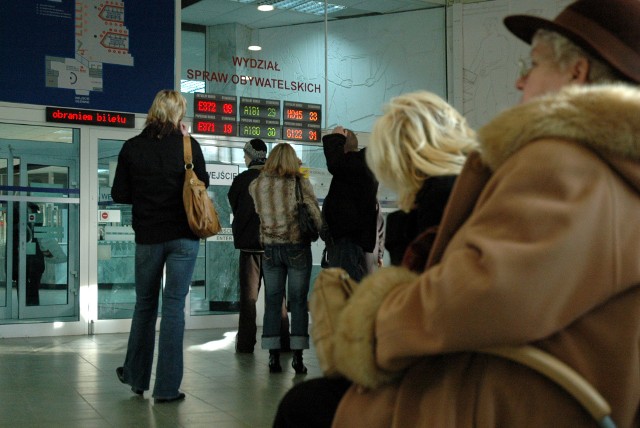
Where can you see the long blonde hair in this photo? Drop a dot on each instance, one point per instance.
(282, 161)
(418, 136)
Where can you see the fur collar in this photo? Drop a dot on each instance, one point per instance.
(605, 118)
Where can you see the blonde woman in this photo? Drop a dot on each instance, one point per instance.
(150, 176)
(287, 255)
(417, 149)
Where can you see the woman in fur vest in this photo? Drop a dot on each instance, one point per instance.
(287, 254)
(539, 245)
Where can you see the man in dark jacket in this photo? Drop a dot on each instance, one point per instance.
(246, 238)
(350, 206)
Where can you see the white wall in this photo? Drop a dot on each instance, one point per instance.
(490, 54)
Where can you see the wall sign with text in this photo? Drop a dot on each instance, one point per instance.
(90, 117)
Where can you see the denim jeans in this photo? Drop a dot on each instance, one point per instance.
(179, 258)
(287, 265)
(346, 254)
(250, 275)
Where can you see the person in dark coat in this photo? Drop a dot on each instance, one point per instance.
(35, 261)
(349, 209)
(150, 176)
(246, 238)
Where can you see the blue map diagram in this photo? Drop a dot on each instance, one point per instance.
(100, 37)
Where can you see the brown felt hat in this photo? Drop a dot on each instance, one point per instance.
(610, 29)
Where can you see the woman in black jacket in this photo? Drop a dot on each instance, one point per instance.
(418, 149)
(150, 176)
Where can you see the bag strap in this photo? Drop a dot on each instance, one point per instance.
(563, 375)
(299, 197)
(188, 158)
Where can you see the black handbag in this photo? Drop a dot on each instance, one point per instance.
(308, 229)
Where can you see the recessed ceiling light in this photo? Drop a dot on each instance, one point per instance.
(254, 48)
(265, 7)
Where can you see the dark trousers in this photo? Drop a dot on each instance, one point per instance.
(250, 276)
(346, 254)
(311, 404)
(35, 269)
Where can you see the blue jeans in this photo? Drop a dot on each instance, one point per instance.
(282, 265)
(179, 257)
(346, 254)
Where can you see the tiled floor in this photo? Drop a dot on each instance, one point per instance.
(70, 382)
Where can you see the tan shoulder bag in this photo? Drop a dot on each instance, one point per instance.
(201, 213)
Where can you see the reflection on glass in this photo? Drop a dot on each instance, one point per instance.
(3, 246)
(38, 220)
(116, 245)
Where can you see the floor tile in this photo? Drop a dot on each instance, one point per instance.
(70, 382)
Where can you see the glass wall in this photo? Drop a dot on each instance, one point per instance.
(346, 66)
(350, 65)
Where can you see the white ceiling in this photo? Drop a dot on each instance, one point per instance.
(217, 12)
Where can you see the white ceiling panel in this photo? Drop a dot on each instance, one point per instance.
(218, 12)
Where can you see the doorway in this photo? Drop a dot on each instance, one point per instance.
(39, 204)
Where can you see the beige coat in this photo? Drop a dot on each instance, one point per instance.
(540, 245)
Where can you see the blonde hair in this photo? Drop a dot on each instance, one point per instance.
(282, 161)
(566, 52)
(166, 111)
(418, 136)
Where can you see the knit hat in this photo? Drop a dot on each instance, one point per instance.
(256, 149)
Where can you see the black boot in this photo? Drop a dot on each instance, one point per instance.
(274, 361)
(297, 363)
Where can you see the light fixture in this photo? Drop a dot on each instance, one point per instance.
(255, 48)
(265, 8)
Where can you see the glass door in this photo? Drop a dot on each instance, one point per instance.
(39, 224)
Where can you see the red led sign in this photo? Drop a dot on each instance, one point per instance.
(214, 104)
(215, 127)
(299, 133)
(301, 112)
(215, 107)
(90, 117)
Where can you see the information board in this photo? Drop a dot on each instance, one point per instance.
(259, 118)
(301, 121)
(215, 114)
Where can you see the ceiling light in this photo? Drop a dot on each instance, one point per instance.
(255, 48)
(265, 7)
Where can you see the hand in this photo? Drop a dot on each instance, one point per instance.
(184, 129)
(339, 130)
(354, 340)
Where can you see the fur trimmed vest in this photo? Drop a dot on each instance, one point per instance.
(275, 201)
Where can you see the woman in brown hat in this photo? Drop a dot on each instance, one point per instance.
(539, 246)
